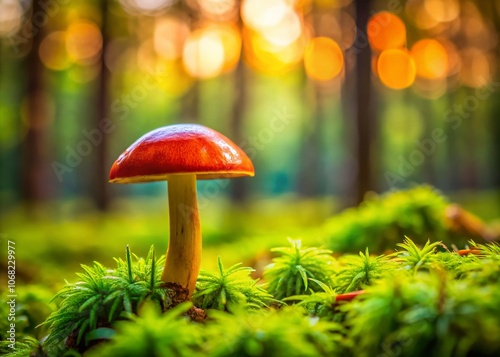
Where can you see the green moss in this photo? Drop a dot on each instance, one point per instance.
(381, 221)
(103, 296)
(290, 273)
(420, 299)
(232, 286)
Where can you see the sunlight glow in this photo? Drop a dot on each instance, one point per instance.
(231, 41)
(11, 12)
(83, 42)
(453, 56)
(442, 11)
(146, 56)
(266, 58)
(262, 14)
(53, 51)
(169, 36)
(385, 31)
(146, 6)
(274, 34)
(218, 7)
(396, 68)
(323, 59)
(286, 31)
(475, 70)
(430, 58)
(203, 54)
(274, 20)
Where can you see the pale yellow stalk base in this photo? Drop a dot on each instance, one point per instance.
(184, 248)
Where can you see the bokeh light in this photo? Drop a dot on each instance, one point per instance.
(231, 41)
(442, 11)
(274, 20)
(11, 12)
(452, 55)
(475, 70)
(430, 88)
(385, 31)
(337, 4)
(203, 54)
(83, 42)
(146, 7)
(274, 35)
(286, 31)
(341, 27)
(220, 9)
(396, 68)
(267, 58)
(323, 59)
(423, 19)
(53, 51)
(477, 31)
(262, 14)
(146, 56)
(430, 58)
(169, 36)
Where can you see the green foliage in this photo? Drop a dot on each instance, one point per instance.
(231, 286)
(270, 333)
(31, 309)
(289, 273)
(154, 334)
(452, 261)
(483, 269)
(413, 257)
(28, 346)
(416, 301)
(103, 296)
(428, 313)
(377, 311)
(321, 303)
(381, 221)
(490, 251)
(360, 271)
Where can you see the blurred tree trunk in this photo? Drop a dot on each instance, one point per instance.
(348, 175)
(494, 118)
(239, 188)
(365, 113)
(310, 172)
(470, 148)
(100, 191)
(425, 106)
(36, 173)
(191, 100)
(453, 160)
(310, 152)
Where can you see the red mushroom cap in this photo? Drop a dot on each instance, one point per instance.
(180, 149)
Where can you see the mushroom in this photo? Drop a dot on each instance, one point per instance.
(181, 154)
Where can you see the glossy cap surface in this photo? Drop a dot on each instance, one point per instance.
(181, 149)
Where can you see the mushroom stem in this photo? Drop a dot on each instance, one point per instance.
(182, 264)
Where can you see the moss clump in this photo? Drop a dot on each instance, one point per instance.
(381, 221)
(103, 296)
(226, 287)
(291, 272)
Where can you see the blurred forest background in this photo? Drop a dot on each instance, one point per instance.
(330, 98)
(295, 83)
